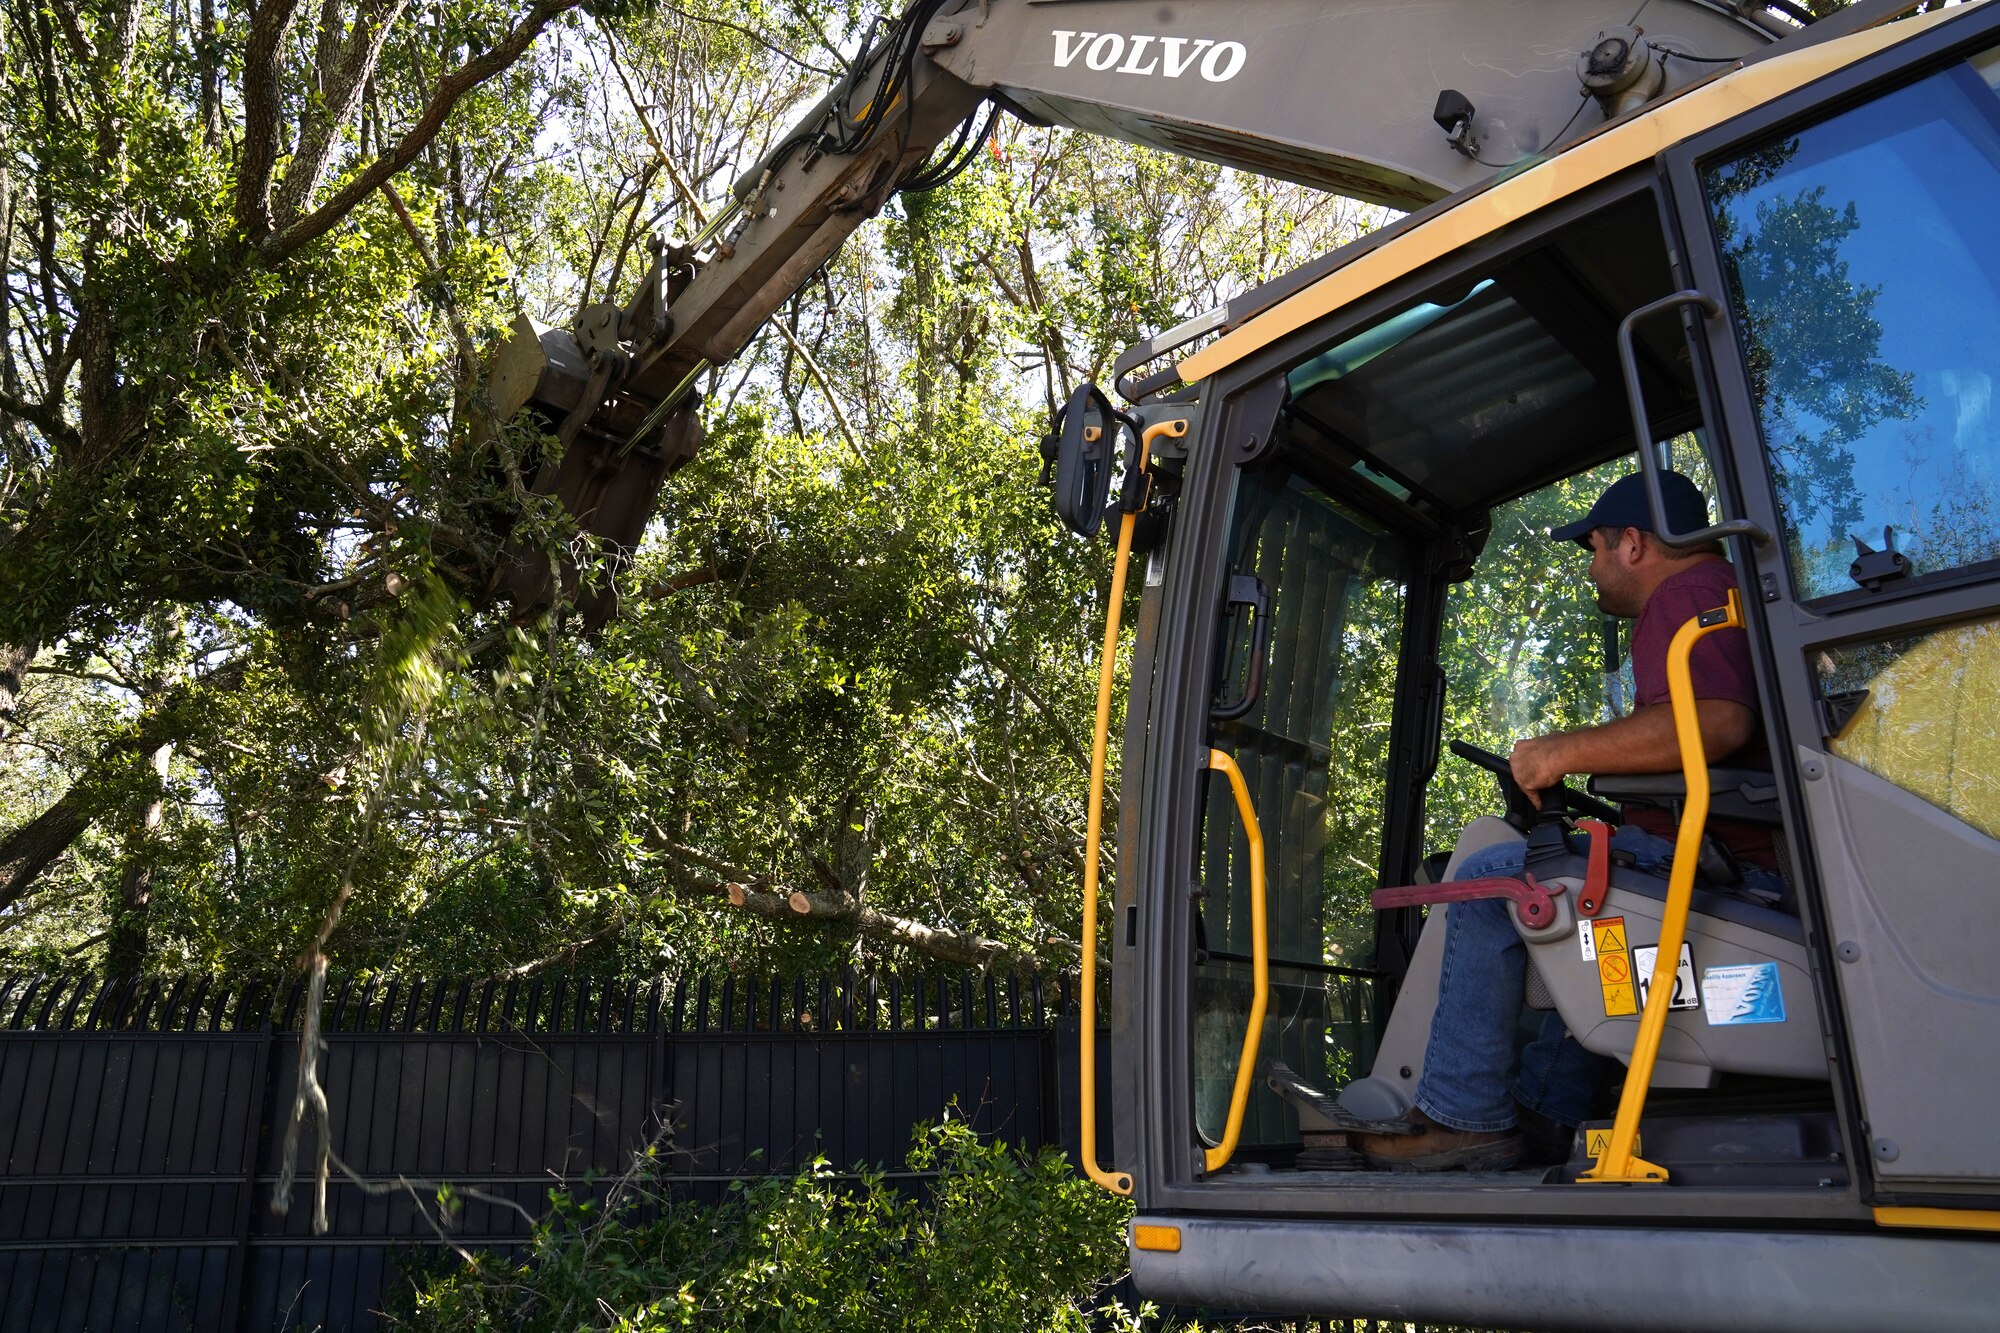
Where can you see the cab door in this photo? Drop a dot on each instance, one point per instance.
(1847, 234)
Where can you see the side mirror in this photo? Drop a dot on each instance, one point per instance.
(1078, 452)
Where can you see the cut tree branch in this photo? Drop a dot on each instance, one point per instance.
(782, 903)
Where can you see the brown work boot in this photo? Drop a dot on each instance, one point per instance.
(1436, 1147)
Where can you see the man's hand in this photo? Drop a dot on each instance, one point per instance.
(1539, 762)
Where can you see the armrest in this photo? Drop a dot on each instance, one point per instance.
(1748, 794)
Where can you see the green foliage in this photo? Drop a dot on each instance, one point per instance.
(855, 657)
(997, 1243)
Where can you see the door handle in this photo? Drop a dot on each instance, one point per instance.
(1247, 590)
(1260, 967)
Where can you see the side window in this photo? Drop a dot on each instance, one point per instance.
(1865, 287)
(1524, 648)
(1919, 712)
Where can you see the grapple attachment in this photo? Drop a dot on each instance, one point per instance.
(616, 448)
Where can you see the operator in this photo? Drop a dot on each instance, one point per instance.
(1475, 1099)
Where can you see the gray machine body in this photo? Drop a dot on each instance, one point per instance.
(1589, 1279)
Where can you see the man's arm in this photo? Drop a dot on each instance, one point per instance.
(1644, 742)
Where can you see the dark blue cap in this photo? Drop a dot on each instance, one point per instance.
(1623, 505)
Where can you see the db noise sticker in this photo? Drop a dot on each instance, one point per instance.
(1686, 995)
(1743, 993)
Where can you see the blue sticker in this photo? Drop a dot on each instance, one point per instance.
(1742, 993)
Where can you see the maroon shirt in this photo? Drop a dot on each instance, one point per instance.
(1719, 668)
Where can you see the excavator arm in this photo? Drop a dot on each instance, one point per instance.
(1399, 104)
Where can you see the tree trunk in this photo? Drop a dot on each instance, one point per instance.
(126, 954)
(211, 76)
(14, 659)
(27, 852)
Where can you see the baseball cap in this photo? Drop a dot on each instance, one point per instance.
(1623, 505)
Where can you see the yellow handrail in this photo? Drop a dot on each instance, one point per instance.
(1117, 1182)
(1618, 1163)
(1260, 966)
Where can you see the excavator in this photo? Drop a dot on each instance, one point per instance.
(1732, 239)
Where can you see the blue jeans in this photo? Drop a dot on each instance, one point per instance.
(1470, 1077)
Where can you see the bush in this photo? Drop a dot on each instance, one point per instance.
(997, 1242)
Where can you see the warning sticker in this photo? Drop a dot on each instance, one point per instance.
(1597, 1142)
(1614, 965)
(1686, 994)
(1743, 993)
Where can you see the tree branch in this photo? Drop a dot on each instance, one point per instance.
(779, 902)
(29, 850)
(340, 95)
(446, 97)
(41, 418)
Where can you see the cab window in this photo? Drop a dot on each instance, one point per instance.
(1865, 289)
(1918, 711)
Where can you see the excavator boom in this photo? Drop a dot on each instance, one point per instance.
(1398, 104)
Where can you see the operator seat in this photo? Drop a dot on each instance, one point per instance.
(1750, 1009)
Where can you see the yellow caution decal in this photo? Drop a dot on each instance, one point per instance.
(1596, 1142)
(1614, 967)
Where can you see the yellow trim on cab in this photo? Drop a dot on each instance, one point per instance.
(1949, 1219)
(1118, 1182)
(1559, 177)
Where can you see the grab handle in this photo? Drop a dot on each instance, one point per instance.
(1642, 429)
(1118, 1182)
(1618, 1163)
(1260, 966)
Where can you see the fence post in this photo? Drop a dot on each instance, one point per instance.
(239, 1258)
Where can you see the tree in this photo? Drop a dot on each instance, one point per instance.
(852, 682)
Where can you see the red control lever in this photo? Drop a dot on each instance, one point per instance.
(1533, 904)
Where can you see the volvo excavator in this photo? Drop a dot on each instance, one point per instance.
(1727, 238)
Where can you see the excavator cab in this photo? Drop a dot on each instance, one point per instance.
(1769, 264)
(1783, 282)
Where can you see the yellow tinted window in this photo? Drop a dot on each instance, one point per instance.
(1926, 716)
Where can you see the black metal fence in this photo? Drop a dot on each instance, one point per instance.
(142, 1122)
